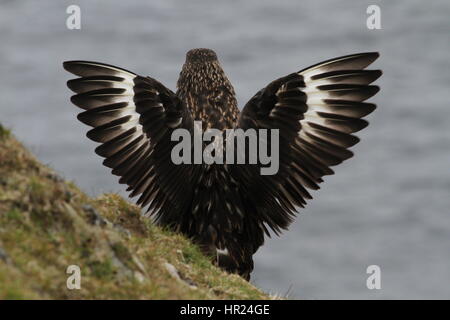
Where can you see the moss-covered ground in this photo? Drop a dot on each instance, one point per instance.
(48, 224)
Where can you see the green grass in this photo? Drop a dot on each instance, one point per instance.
(47, 224)
(4, 133)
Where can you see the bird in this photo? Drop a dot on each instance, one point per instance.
(228, 210)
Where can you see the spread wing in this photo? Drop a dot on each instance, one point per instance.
(316, 111)
(133, 118)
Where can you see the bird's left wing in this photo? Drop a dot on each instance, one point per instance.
(133, 118)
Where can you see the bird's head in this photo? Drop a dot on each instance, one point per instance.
(202, 72)
(206, 89)
(201, 55)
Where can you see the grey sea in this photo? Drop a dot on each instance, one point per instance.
(388, 206)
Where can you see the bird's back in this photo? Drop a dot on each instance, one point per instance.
(217, 216)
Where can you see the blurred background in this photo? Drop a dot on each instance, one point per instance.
(388, 206)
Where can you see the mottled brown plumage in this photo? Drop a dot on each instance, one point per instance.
(206, 90)
(227, 208)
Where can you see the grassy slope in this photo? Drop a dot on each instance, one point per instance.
(47, 224)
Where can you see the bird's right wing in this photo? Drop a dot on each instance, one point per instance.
(316, 110)
(133, 118)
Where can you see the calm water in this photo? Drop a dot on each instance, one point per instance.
(388, 206)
